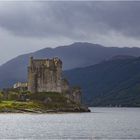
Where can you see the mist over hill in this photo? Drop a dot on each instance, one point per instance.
(73, 56)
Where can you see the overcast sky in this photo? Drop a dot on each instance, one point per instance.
(29, 26)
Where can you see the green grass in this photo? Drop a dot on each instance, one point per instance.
(20, 105)
(37, 102)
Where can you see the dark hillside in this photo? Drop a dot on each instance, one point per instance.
(113, 82)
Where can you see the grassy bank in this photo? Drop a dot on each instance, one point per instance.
(41, 103)
(16, 106)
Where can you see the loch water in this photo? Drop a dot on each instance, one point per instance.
(100, 124)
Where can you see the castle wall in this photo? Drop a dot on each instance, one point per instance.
(45, 75)
(76, 95)
(65, 86)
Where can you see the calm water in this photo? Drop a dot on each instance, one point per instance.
(102, 123)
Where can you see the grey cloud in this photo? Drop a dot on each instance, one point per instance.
(75, 20)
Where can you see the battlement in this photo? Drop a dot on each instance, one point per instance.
(47, 63)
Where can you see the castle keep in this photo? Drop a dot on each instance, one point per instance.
(45, 75)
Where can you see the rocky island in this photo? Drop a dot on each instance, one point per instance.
(46, 91)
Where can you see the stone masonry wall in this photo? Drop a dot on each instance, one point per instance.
(45, 75)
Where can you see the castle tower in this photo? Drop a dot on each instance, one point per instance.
(45, 75)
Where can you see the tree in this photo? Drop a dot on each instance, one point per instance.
(13, 96)
(1, 96)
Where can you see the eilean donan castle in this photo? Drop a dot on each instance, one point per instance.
(45, 75)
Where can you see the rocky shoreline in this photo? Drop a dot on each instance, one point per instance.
(74, 110)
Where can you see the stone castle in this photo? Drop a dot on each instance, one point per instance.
(45, 75)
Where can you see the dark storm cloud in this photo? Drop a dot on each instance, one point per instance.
(70, 19)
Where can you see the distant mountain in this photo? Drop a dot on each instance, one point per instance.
(73, 56)
(109, 83)
(117, 57)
